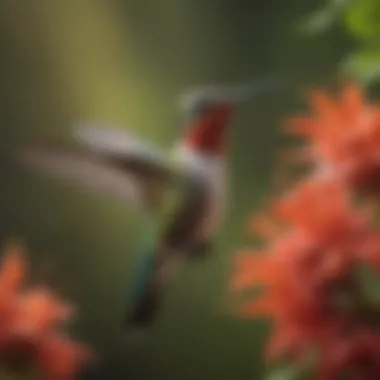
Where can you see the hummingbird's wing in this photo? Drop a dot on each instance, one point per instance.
(127, 151)
(79, 168)
(108, 162)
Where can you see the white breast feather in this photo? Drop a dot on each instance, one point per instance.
(212, 169)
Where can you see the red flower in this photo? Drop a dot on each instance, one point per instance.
(313, 240)
(343, 137)
(30, 322)
(38, 311)
(12, 274)
(60, 358)
(356, 355)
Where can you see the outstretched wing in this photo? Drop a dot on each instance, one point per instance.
(126, 150)
(110, 162)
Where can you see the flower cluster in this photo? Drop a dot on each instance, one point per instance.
(315, 240)
(30, 319)
(342, 138)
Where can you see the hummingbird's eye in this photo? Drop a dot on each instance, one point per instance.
(198, 109)
(197, 102)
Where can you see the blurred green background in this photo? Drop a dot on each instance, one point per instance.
(125, 62)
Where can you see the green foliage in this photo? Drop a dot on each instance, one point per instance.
(360, 20)
(369, 282)
(321, 20)
(283, 373)
(290, 372)
(363, 65)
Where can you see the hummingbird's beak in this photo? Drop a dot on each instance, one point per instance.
(249, 91)
(197, 99)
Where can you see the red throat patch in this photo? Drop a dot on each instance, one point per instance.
(207, 134)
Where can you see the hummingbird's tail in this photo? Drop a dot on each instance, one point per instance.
(145, 298)
(145, 288)
(149, 285)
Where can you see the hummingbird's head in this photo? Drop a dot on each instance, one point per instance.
(207, 115)
(208, 111)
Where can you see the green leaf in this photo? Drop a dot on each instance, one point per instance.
(369, 282)
(283, 373)
(292, 372)
(303, 370)
(319, 22)
(324, 18)
(363, 66)
(362, 19)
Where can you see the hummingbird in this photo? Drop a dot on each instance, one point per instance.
(184, 195)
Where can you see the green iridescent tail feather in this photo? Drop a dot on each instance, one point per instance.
(143, 295)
